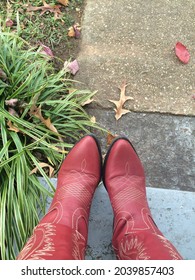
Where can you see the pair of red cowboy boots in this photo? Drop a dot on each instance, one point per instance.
(62, 233)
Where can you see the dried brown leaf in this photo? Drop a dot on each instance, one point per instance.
(88, 101)
(36, 111)
(46, 8)
(93, 119)
(120, 103)
(71, 32)
(74, 31)
(43, 164)
(12, 127)
(110, 138)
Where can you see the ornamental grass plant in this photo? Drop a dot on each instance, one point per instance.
(39, 114)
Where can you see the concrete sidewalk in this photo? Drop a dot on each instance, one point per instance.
(134, 41)
(172, 210)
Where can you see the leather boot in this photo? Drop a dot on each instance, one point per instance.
(135, 234)
(62, 232)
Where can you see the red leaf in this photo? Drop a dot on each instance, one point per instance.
(182, 52)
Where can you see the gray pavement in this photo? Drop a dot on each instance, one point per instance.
(174, 217)
(134, 41)
(164, 143)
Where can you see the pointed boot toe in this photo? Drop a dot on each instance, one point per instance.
(85, 158)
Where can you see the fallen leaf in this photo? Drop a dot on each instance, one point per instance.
(13, 112)
(36, 111)
(119, 104)
(46, 8)
(46, 50)
(11, 102)
(77, 31)
(43, 164)
(182, 53)
(110, 138)
(71, 32)
(9, 22)
(12, 127)
(49, 125)
(73, 66)
(74, 31)
(93, 119)
(63, 2)
(88, 101)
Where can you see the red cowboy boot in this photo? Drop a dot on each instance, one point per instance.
(63, 231)
(135, 234)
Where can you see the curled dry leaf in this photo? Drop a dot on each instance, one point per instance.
(36, 111)
(110, 138)
(73, 66)
(75, 31)
(12, 127)
(46, 50)
(71, 32)
(182, 53)
(43, 164)
(13, 112)
(119, 104)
